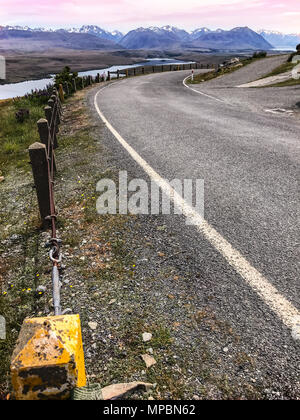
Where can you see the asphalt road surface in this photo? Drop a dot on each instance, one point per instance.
(247, 251)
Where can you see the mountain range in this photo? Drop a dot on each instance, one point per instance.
(92, 37)
(39, 41)
(280, 40)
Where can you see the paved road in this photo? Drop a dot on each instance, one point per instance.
(252, 99)
(249, 160)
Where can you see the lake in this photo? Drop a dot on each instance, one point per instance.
(13, 90)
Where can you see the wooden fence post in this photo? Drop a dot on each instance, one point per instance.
(55, 98)
(44, 132)
(48, 114)
(55, 112)
(39, 162)
(61, 93)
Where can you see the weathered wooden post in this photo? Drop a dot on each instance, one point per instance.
(44, 132)
(56, 117)
(74, 85)
(48, 114)
(43, 129)
(55, 98)
(153, 69)
(134, 71)
(39, 163)
(61, 93)
(143, 70)
(118, 74)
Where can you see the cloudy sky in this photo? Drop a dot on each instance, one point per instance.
(282, 15)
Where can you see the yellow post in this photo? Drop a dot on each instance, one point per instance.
(48, 361)
(61, 93)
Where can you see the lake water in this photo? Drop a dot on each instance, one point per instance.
(13, 90)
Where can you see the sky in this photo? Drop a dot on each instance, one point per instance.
(124, 15)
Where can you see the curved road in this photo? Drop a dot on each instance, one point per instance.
(249, 160)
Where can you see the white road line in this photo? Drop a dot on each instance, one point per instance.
(202, 93)
(288, 314)
(280, 111)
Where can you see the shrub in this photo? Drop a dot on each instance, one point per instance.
(39, 96)
(260, 54)
(67, 76)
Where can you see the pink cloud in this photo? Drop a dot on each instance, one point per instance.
(127, 14)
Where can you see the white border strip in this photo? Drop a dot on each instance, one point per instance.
(202, 93)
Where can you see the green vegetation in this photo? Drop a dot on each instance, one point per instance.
(283, 68)
(291, 82)
(16, 137)
(66, 76)
(260, 54)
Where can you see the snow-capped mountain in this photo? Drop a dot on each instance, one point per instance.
(39, 39)
(197, 32)
(97, 31)
(154, 37)
(170, 37)
(280, 40)
(115, 36)
(240, 38)
(25, 28)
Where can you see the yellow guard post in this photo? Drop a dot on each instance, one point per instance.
(48, 361)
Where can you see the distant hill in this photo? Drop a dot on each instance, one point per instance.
(280, 40)
(154, 37)
(170, 37)
(38, 40)
(235, 39)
